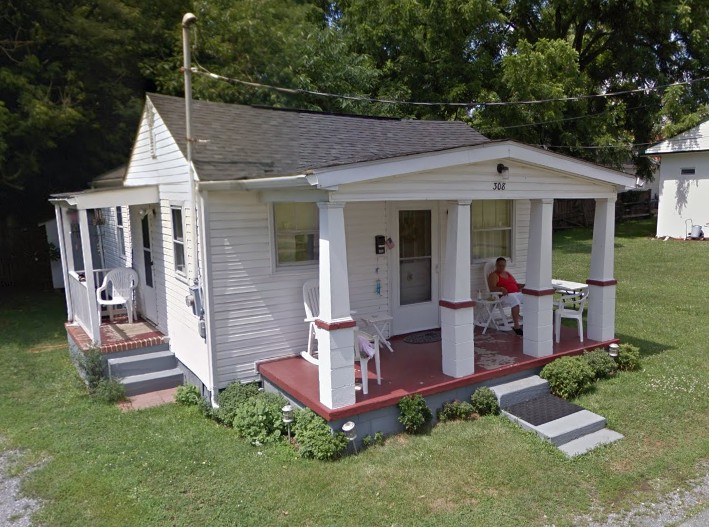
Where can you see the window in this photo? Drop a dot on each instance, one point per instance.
(296, 232)
(178, 240)
(120, 231)
(491, 229)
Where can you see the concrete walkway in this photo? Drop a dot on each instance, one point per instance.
(15, 509)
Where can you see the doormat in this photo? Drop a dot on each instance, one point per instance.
(423, 337)
(543, 409)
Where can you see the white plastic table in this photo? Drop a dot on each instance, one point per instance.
(378, 323)
(566, 285)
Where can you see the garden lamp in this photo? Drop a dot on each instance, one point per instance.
(287, 417)
(613, 350)
(350, 433)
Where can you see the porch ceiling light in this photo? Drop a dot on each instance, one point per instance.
(503, 170)
(613, 350)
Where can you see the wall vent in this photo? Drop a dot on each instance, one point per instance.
(688, 171)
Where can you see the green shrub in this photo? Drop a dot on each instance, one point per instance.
(456, 411)
(188, 395)
(377, 439)
(568, 376)
(415, 415)
(231, 398)
(315, 438)
(628, 357)
(259, 418)
(93, 366)
(109, 391)
(484, 401)
(206, 409)
(601, 363)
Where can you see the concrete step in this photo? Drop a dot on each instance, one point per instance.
(144, 363)
(153, 381)
(572, 426)
(521, 390)
(590, 441)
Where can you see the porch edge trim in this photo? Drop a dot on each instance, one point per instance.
(602, 283)
(449, 304)
(332, 326)
(537, 292)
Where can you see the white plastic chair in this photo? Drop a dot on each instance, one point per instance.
(364, 358)
(124, 282)
(311, 303)
(570, 306)
(501, 322)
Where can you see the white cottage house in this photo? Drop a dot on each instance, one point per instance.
(393, 217)
(683, 182)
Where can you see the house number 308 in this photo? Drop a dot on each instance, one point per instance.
(498, 186)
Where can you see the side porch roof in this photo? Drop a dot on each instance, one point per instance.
(109, 197)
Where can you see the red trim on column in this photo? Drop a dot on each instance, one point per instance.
(331, 326)
(456, 305)
(601, 283)
(537, 292)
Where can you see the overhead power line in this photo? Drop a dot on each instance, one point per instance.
(200, 70)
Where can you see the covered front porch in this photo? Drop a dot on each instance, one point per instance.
(416, 368)
(86, 260)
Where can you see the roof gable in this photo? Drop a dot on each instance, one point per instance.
(245, 142)
(693, 140)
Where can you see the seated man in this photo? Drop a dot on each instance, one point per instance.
(500, 281)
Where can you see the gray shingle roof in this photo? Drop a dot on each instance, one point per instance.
(113, 177)
(250, 142)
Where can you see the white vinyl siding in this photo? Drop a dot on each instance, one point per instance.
(157, 160)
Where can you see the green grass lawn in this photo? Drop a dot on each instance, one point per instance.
(170, 466)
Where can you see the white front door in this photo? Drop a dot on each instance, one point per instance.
(415, 267)
(147, 296)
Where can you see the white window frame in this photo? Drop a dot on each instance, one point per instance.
(120, 231)
(288, 266)
(511, 228)
(181, 242)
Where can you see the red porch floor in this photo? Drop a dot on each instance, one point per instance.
(119, 335)
(416, 368)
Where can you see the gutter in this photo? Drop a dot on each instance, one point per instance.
(300, 180)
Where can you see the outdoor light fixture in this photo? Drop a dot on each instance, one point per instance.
(613, 351)
(502, 169)
(287, 417)
(350, 433)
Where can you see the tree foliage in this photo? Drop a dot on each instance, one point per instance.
(73, 72)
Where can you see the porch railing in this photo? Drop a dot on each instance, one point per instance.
(82, 299)
(80, 302)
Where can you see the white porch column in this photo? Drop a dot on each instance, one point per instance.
(67, 259)
(335, 327)
(457, 321)
(538, 293)
(94, 319)
(601, 284)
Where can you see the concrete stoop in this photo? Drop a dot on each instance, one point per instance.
(574, 434)
(145, 372)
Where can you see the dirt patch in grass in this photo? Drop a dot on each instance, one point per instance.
(669, 509)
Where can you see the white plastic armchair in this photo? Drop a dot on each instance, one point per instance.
(123, 281)
(364, 345)
(311, 303)
(570, 306)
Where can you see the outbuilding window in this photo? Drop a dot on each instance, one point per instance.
(491, 228)
(297, 229)
(178, 240)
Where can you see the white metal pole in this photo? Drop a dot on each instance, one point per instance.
(187, 21)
